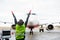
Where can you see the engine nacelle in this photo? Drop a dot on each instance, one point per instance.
(50, 27)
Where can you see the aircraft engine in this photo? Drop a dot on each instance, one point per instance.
(50, 27)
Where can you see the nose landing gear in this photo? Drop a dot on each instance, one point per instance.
(31, 32)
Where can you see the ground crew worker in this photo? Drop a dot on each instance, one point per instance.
(20, 27)
(20, 30)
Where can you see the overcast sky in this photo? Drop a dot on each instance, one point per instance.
(46, 10)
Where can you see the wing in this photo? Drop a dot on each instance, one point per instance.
(6, 22)
(49, 23)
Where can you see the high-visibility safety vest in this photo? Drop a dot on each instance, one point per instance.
(20, 30)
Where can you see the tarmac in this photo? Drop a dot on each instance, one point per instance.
(46, 35)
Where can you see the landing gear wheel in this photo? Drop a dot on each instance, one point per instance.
(31, 32)
(41, 30)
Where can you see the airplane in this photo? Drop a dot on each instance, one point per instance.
(31, 25)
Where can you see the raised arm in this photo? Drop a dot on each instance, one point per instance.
(27, 18)
(15, 20)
